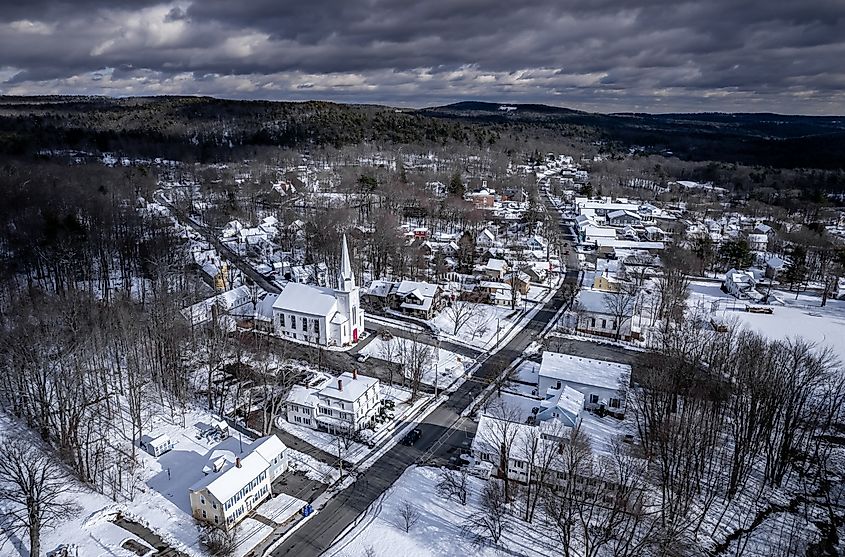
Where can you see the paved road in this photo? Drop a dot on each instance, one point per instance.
(224, 250)
(442, 432)
(425, 338)
(321, 530)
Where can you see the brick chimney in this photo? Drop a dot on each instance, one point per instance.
(238, 462)
(354, 374)
(340, 384)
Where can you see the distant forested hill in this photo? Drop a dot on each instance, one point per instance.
(204, 128)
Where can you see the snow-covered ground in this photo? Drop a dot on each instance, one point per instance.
(448, 365)
(803, 317)
(438, 531)
(162, 503)
(490, 326)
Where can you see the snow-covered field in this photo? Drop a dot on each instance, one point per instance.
(803, 317)
(438, 531)
(449, 366)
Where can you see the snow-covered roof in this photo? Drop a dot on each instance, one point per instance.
(307, 299)
(380, 288)
(302, 396)
(490, 285)
(353, 387)
(594, 301)
(423, 289)
(621, 213)
(496, 264)
(584, 371)
(231, 478)
(159, 441)
(775, 262)
(740, 277)
(627, 244)
(566, 402)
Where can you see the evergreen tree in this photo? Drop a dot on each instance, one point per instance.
(456, 185)
(796, 272)
(736, 254)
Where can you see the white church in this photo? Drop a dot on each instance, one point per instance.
(325, 316)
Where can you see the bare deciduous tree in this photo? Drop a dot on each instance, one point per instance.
(408, 515)
(490, 523)
(460, 312)
(34, 488)
(452, 484)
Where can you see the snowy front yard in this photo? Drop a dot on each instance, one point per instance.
(438, 531)
(484, 326)
(449, 366)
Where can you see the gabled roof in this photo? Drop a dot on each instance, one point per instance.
(230, 478)
(496, 264)
(575, 370)
(353, 387)
(307, 299)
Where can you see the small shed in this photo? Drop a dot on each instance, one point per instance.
(158, 445)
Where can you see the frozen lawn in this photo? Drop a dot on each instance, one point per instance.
(479, 330)
(438, 531)
(803, 317)
(450, 366)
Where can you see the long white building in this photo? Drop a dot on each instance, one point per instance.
(324, 316)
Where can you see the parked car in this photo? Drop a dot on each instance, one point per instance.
(385, 334)
(363, 357)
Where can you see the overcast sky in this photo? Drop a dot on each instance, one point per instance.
(599, 55)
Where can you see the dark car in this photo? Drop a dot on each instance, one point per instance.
(411, 437)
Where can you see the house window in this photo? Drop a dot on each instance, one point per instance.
(204, 515)
(293, 322)
(614, 403)
(592, 322)
(317, 326)
(216, 520)
(604, 323)
(305, 324)
(214, 504)
(594, 399)
(202, 500)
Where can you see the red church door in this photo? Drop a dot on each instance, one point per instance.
(355, 335)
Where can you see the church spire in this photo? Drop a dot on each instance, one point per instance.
(346, 280)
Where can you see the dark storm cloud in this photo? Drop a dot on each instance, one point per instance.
(595, 54)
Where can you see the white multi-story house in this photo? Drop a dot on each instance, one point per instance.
(599, 314)
(324, 316)
(603, 384)
(234, 485)
(347, 403)
(740, 284)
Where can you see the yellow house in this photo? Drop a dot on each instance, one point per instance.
(234, 485)
(606, 283)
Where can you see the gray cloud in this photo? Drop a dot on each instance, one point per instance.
(606, 55)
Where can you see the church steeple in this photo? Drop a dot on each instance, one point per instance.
(345, 278)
